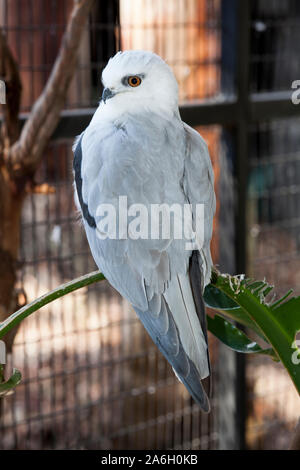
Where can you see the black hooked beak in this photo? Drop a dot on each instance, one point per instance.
(107, 94)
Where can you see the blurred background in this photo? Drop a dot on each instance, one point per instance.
(91, 377)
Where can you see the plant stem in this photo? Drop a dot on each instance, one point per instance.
(14, 319)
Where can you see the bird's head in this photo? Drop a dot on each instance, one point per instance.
(135, 80)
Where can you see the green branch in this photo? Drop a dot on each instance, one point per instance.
(75, 284)
(236, 299)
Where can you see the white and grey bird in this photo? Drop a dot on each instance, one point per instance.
(137, 146)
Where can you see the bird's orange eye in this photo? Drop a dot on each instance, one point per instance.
(134, 81)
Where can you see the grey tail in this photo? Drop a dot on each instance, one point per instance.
(163, 331)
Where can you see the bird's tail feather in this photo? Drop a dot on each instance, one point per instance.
(181, 303)
(165, 334)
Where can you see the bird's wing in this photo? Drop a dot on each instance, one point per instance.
(111, 162)
(154, 275)
(184, 295)
(198, 185)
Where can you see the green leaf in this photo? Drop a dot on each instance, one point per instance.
(234, 338)
(278, 321)
(215, 299)
(11, 383)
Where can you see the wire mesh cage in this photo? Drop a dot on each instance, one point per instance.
(273, 216)
(273, 209)
(275, 45)
(92, 379)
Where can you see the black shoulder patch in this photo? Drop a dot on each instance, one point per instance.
(78, 181)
